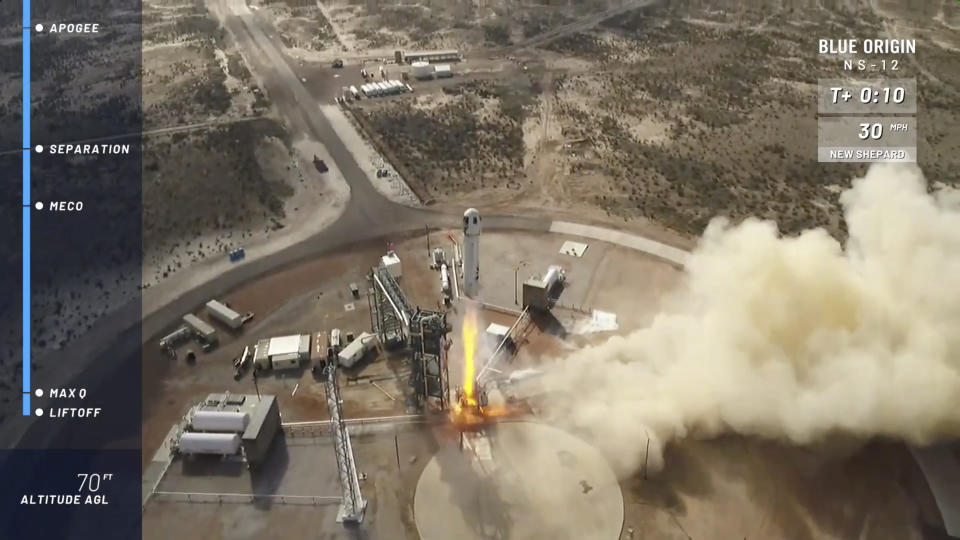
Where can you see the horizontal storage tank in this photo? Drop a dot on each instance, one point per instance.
(209, 443)
(228, 421)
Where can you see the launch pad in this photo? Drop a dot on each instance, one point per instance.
(518, 481)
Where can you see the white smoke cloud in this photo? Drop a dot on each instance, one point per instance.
(792, 338)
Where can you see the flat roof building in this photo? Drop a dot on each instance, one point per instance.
(448, 55)
(285, 352)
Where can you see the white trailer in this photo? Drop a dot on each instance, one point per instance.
(222, 421)
(354, 92)
(335, 340)
(442, 71)
(226, 444)
(224, 314)
(356, 349)
(201, 328)
(391, 262)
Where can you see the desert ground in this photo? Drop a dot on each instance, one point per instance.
(239, 177)
(674, 113)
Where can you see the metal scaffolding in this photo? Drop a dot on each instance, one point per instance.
(428, 351)
(389, 309)
(352, 504)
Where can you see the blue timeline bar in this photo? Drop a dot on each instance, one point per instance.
(25, 285)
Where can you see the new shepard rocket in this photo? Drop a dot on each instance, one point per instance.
(471, 252)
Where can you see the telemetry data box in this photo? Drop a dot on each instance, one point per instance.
(852, 139)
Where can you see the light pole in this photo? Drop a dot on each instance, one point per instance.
(516, 281)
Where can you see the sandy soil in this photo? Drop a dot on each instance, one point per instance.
(652, 115)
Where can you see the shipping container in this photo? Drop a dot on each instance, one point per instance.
(209, 443)
(226, 421)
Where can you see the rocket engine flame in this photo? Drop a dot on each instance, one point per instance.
(469, 336)
(469, 412)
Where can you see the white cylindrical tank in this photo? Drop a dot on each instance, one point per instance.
(471, 252)
(209, 443)
(444, 278)
(229, 421)
(554, 275)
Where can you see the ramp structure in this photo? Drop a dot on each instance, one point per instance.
(390, 310)
(352, 504)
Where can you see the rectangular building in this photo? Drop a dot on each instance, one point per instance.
(285, 352)
(450, 55)
(262, 429)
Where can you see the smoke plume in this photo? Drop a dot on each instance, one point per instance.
(794, 338)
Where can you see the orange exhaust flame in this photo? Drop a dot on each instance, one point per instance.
(469, 336)
(467, 412)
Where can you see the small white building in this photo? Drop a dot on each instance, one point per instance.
(285, 352)
(391, 261)
(442, 71)
(496, 333)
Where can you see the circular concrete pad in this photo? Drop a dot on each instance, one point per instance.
(521, 481)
